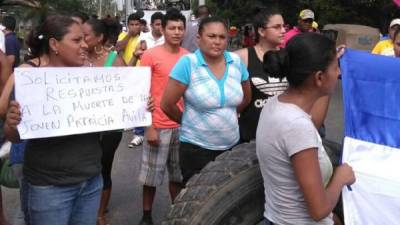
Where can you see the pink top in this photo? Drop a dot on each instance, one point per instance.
(161, 63)
(291, 33)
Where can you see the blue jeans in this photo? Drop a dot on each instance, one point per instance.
(62, 205)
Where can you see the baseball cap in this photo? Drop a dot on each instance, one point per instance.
(306, 14)
(395, 22)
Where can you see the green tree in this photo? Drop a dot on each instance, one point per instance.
(28, 3)
(375, 13)
(42, 7)
(236, 12)
(32, 11)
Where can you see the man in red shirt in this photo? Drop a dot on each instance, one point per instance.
(161, 141)
(306, 18)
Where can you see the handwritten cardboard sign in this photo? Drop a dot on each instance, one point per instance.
(58, 101)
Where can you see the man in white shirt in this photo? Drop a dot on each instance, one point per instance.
(190, 40)
(2, 41)
(4, 69)
(151, 40)
(154, 37)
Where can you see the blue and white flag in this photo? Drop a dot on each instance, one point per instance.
(371, 89)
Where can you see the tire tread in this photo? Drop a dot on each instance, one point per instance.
(201, 187)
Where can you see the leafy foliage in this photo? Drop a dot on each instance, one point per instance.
(39, 8)
(376, 13)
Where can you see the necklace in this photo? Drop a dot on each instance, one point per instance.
(95, 58)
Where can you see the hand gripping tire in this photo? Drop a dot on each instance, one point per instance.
(228, 191)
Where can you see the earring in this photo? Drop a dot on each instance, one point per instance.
(56, 52)
(97, 50)
(109, 47)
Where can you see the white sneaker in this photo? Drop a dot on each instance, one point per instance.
(136, 141)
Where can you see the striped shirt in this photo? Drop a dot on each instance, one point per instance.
(210, 119)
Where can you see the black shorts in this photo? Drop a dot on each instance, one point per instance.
(193, 158)
(267, 222)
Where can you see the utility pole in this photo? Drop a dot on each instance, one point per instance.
(100, 9)
(126, 10)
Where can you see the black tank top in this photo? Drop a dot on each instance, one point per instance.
(262, 88)
(62, 160)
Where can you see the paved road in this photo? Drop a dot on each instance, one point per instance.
(125, 205)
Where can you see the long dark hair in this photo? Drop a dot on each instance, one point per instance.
(261, 18)
(54, 26)
(109, 28)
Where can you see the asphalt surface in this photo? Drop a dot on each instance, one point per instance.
(125, 206)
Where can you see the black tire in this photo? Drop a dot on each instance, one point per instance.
(228, 191)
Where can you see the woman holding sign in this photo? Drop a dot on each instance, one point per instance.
(35, 58)
(101, 36)
(62, 181)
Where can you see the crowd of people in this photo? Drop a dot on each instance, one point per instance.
(204, 101)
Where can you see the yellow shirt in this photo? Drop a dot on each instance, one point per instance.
(384, 47)
(130, 47)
